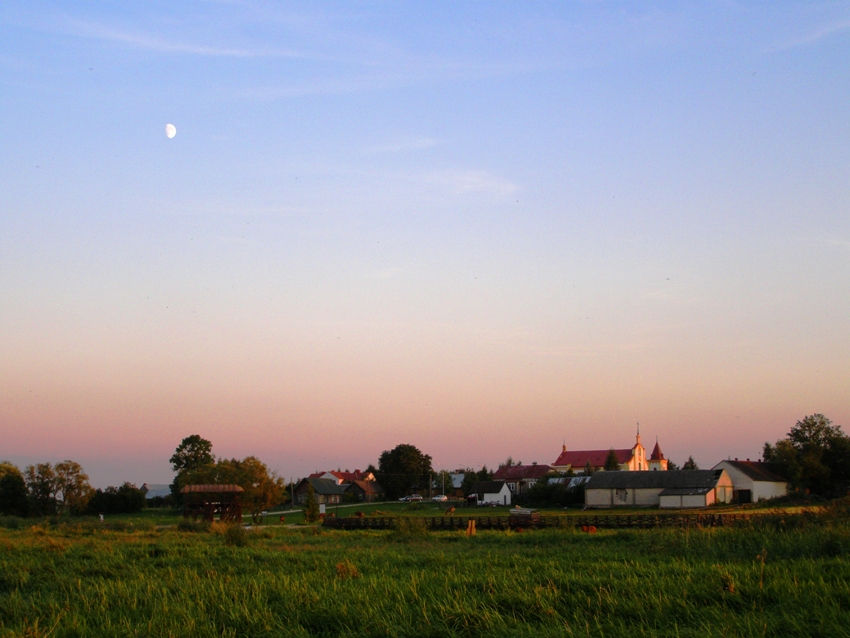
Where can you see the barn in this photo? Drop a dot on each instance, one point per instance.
(754, 480)
(671, 489)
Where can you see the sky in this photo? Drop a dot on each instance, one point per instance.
(484, 229)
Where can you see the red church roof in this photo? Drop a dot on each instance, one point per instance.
(657, 454)
(579, 458)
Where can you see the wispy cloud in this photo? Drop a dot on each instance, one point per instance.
(162, 45)
(815, 35)
(399, 146)
(472, 181)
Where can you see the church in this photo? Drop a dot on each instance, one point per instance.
(632, 459)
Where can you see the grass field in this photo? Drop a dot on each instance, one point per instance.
(787, 578)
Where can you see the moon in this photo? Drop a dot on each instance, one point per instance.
(170, 130)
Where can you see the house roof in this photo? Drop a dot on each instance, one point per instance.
(657, 454)
(368, 487)
(211, 489)
(519, 472)
(579, 458)
(326, 487)
(680, 479)
(758, 471)
(488, 487)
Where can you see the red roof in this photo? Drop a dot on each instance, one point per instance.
(519, 472)
(657, 454)
(579, 458)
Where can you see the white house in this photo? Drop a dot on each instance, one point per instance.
(492, 493)
(670, 489)
(754, 480)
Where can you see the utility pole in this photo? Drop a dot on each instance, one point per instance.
(444, 482)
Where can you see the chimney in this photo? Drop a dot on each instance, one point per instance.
(534, 462)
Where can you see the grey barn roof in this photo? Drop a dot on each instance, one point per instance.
(759, 470)
(325, 487)
(488, 487)
(676, 479)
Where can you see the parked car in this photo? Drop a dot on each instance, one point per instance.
(413, 498)
(440, 498)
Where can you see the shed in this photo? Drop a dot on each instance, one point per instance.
(492, 493)
(644, 489)
(209, 500)
(754, 480)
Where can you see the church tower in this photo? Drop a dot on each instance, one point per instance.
(656, 459)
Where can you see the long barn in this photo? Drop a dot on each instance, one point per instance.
(672, 489)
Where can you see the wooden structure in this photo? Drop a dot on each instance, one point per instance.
(209, 501)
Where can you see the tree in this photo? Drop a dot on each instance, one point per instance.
(13, 490)
(589, 469)
(612, 463)
(672, 466)
(815, 456)
(42, 487)
(72, 487)
(403, 469)
(193, 453)
(470, 478)
(690, 464)
(126, 499)
(59, 488)
(311, 508)
(484, 474)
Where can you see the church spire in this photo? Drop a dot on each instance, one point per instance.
(637, 438)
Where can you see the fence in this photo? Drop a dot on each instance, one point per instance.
(603, 521)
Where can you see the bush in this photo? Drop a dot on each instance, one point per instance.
(192, 526)
(236, 535)
(405, 527)
(11, 522)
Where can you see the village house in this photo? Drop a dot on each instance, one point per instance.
(754, 480)
(670, 489)
(520, 478)
(630, 459)
(328, 491)
(491, 493)
(365, 491)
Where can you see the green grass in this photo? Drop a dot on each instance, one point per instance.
(88, 580)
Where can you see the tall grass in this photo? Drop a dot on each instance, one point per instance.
(766, 579)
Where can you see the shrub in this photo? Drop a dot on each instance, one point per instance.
(11, 522)
(236, 535)
(405, 527)
(192, 526)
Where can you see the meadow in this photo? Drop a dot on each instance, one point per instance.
(786, 576)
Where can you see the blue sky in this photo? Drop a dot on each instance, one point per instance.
(482, 229)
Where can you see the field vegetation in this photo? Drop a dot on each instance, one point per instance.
(783, 575)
